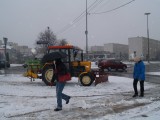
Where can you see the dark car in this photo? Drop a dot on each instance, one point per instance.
(112, 64)
(2, 64)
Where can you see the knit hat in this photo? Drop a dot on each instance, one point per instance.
(135, 58)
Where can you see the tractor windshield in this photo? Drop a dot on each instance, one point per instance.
(74, 54)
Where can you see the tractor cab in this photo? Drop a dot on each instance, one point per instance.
(74, 60)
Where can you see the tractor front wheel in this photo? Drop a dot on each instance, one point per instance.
(47, 74)
(86, 79)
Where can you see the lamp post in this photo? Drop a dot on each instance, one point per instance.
(86, 32)
(5, 44)
(148, 36)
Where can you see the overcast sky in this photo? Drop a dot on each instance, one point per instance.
(22, 20)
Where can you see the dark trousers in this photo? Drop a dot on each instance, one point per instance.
(141, 86)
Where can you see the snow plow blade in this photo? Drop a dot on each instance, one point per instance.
(29, 73)
(100, 76)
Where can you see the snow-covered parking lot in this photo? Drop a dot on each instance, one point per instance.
(21, 99)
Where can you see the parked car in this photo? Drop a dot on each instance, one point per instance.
(2, 64)
(97, 61)
(112, 64)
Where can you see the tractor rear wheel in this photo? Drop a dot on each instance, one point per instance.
(86, 79)
(47, 74)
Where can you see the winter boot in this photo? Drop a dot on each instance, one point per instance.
(135, 95)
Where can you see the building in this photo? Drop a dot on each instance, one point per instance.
(0, 42)
(17, 54)
(2, 55)
(120, 51)
(139, 46)
(97, 48)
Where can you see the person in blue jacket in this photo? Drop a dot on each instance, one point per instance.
(138, 75)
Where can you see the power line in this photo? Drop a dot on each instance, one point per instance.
(102, 5)
(114, 8)
(77, 19)
(96, 4)
(91, 7)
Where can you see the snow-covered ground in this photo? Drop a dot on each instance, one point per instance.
(153, 73)
(21, 99)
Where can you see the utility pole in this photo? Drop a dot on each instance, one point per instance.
(148, 37)
(5, 51)
(86, 32)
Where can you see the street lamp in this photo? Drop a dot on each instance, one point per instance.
(86, 32)
(5, 44)
(148, 36)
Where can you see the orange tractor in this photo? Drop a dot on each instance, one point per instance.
(77, 67)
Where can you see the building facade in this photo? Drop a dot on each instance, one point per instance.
(97, 48)
(139, 46)
(0, 42)
(120, 51)
(17, 53)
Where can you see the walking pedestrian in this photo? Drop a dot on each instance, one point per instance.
(61, 70)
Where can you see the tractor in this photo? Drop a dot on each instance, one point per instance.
(43, 69)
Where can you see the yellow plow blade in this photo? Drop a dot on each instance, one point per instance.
(29, 73)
